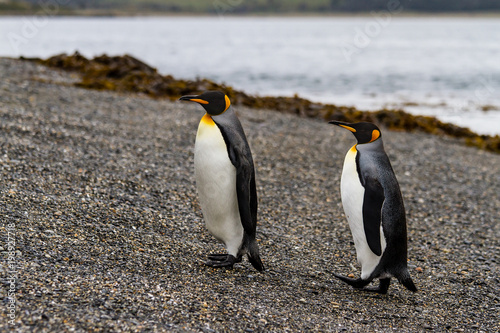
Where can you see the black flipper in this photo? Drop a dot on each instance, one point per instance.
(241, 157)
(372, 213)
(247, 204)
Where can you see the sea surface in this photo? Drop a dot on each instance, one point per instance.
(443, 66)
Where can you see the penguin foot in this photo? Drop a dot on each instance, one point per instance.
(356, 283)
(222, 260)
(361, 284)
(381, 288)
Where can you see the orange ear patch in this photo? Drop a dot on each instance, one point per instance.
(375, 135)
(228, 103)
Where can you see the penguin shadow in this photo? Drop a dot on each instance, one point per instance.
(220, 278)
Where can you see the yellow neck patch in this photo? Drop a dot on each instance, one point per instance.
(207, 120)
(353, 149)
(375, 135)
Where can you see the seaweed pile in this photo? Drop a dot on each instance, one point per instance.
(128, 74)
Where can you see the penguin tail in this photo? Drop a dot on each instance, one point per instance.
(253, 256)
(406, 280)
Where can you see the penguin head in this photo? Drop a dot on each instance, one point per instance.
(363, 131)
(214, 102)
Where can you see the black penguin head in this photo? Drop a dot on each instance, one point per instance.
(214, 102)
(364, 132)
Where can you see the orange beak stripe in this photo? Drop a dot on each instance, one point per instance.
(198, 100)
(348, 128)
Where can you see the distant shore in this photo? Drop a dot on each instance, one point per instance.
(128, 74)
(125, 13)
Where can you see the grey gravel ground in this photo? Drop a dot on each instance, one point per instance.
(109, 234)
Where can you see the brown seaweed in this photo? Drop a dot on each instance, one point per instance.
(128, 74)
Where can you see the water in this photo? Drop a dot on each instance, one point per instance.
(448, 67)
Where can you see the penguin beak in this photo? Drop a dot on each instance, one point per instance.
(343, 124)
(193, 98)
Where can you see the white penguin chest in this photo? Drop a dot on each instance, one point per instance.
(352, 193)
(216, 183)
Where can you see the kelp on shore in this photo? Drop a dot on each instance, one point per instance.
(128, 74)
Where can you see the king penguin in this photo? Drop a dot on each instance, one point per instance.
(225, 180)
(374, 208)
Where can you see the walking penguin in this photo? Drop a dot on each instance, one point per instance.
(374, 208)
(225, 179)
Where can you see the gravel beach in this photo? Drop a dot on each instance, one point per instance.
(98, 189)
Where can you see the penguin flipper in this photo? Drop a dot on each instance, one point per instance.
(247, 205)
(247, 199)
(241, 158)
(246, 190)
(372, 213)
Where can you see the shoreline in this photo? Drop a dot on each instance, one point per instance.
(119, 13)
(128, 74)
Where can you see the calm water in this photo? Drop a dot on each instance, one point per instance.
(449, 67)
